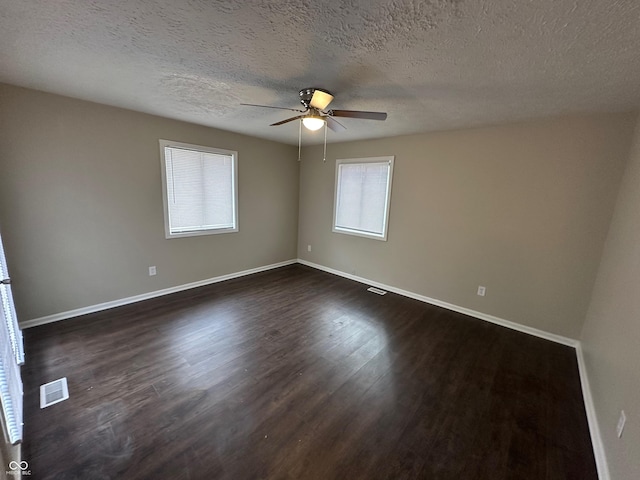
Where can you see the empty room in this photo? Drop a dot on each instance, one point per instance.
(286, 239)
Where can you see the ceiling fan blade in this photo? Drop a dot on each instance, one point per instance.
(334, 125)
(321, 99)
(287, 120)
(267, 106)
(358, 114)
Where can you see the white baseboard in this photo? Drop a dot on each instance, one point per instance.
(146, 296)
(158, 293)
(449, 306)
(594, 428)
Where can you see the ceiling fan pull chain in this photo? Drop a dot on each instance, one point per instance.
(299, 138)
(324, 159)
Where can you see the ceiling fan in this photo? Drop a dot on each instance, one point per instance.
(315, 115)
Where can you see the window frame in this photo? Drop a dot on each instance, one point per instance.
(360, 233)
(165, 190)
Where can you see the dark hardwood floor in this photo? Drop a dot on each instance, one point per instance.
(299, 374)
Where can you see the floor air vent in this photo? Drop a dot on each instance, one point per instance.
(53, 392)
(376, 290)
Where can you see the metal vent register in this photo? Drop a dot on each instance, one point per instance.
(53, 392)
(376, 290)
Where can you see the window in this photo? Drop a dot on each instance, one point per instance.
(363, 194)
(200, 187)
(11, 357)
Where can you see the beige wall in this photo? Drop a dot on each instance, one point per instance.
(521, 209)
(611, 334)
(81, 203)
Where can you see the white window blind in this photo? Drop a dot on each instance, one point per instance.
(200, 189)
(363, 192)
(11, 357)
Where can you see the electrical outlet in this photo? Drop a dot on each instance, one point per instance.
(152, 271)
(308, 248)
(621, 421)
(482, 291)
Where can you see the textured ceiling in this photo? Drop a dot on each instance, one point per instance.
(431, 64)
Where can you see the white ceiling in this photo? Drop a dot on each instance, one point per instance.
(431, 64)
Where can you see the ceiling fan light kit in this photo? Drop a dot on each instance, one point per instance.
(313, 122)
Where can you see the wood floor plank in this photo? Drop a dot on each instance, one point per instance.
(295, 373)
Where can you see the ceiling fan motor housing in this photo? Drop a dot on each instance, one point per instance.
(306, 94)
